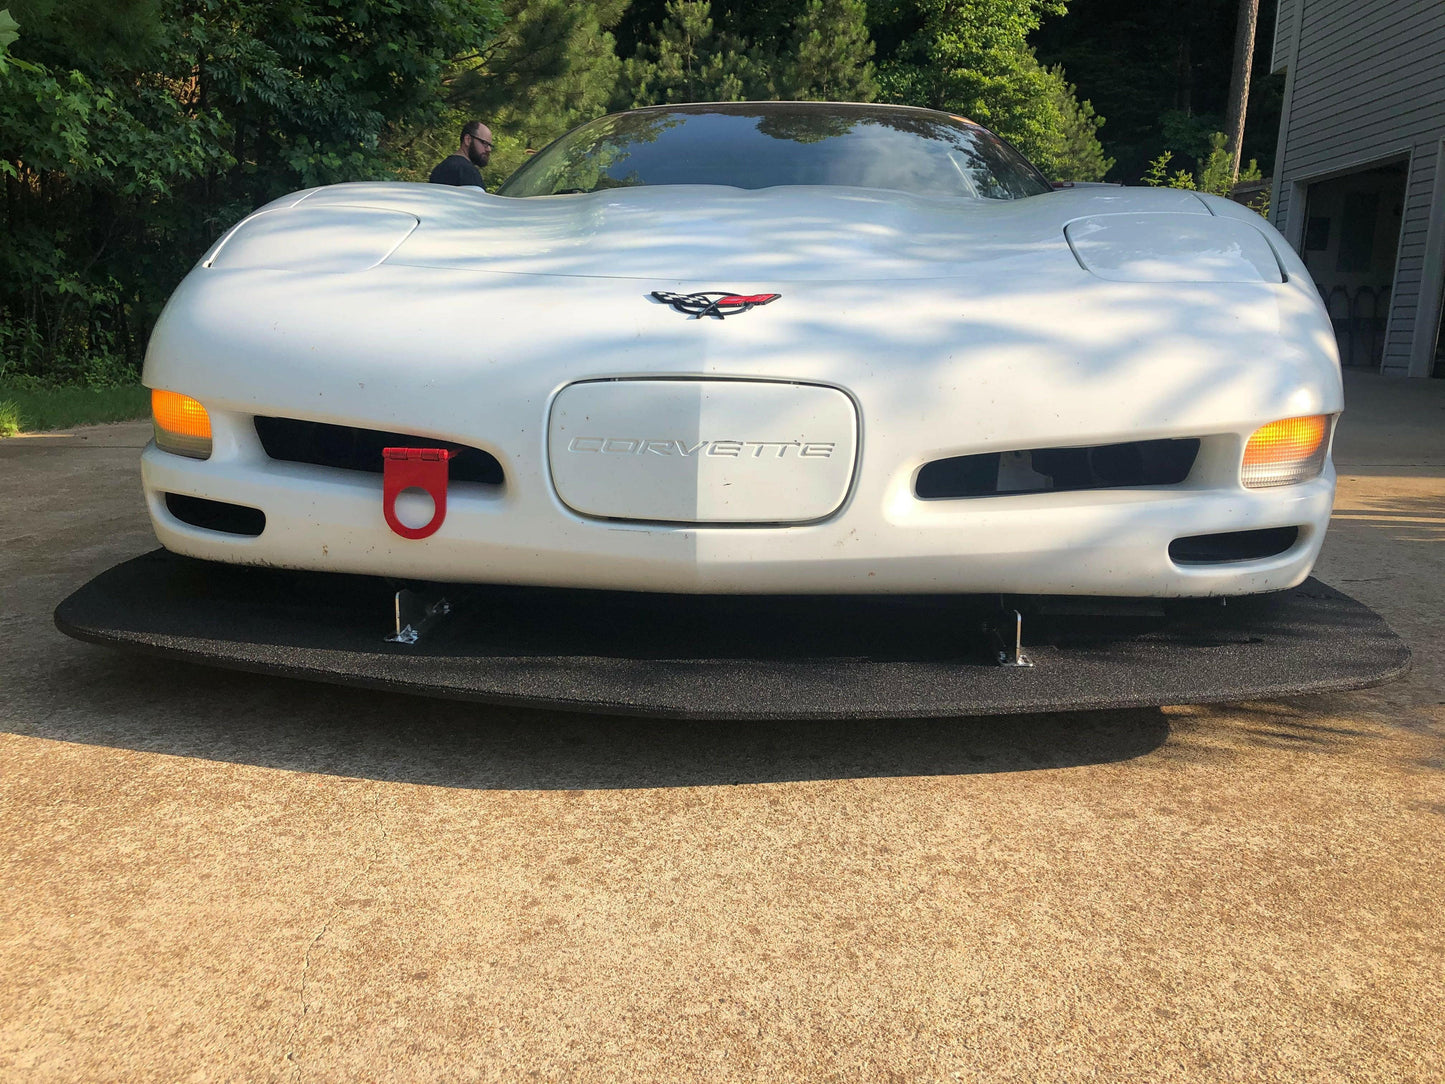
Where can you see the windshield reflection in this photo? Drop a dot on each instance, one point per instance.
(761, 145)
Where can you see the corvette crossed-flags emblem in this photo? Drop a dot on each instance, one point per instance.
(714, 303)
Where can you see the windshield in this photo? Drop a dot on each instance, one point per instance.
(762, 144)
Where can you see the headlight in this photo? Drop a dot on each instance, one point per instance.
(1285, 452)
(182, 424)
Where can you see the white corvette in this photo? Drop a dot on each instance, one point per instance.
(753, 348)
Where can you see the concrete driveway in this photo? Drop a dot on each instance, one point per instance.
(214, 876)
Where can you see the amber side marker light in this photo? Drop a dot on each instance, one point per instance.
(182, 424)
(1285, 452)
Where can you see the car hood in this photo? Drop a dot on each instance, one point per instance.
(776, 235)
(485, 308)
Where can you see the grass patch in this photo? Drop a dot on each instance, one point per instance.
(31, 410)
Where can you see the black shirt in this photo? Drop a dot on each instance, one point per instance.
(456, 169)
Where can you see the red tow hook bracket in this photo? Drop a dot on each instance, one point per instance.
(414, 468)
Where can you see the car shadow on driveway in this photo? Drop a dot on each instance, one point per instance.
(98, 697)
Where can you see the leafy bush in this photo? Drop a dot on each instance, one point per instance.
(1215, 177)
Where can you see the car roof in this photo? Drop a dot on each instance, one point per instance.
(753, 108)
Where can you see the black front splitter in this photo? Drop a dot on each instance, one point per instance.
(734, 657)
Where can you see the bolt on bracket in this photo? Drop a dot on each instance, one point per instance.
(1008, 634)
(416, 613)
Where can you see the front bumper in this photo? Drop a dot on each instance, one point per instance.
(987, 363)
(883, 540)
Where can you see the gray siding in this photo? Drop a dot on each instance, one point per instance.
(1411, 259)
(1283, 36)
(1366, 83)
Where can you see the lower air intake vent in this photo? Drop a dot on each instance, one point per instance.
(1045, 470)
(216, 515)
(1216, 549)
(349, 448)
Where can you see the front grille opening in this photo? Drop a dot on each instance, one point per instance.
(1217, 549)
(1051, 470)
(349, 448)
(216, 515)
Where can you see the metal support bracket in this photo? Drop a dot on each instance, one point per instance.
(1008, 633)
(416, 613)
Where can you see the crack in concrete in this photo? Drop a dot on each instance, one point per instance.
(345, 894)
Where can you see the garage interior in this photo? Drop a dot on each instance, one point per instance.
(1352, 235)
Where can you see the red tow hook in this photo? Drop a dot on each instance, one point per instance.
(414, 468)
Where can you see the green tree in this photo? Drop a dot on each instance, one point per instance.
(1149, 67)
(1074, 152)
(90, 150)
(968, 56)
(689, 60)
(133, 131)
(552, 65)
(831, 58)
(313, 90)
(973, 57)
(793, 49)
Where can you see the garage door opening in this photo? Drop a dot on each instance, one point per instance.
(1352, 235)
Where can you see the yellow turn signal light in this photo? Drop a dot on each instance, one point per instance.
(1285, 452)
(182, 424)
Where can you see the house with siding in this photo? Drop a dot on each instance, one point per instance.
(1359, 185)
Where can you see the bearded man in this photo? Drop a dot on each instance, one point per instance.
(465, 166)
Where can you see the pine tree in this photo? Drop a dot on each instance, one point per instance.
(787, 49)
(1075, 153)
(832, 54)
(552, 65)
(687, 60)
